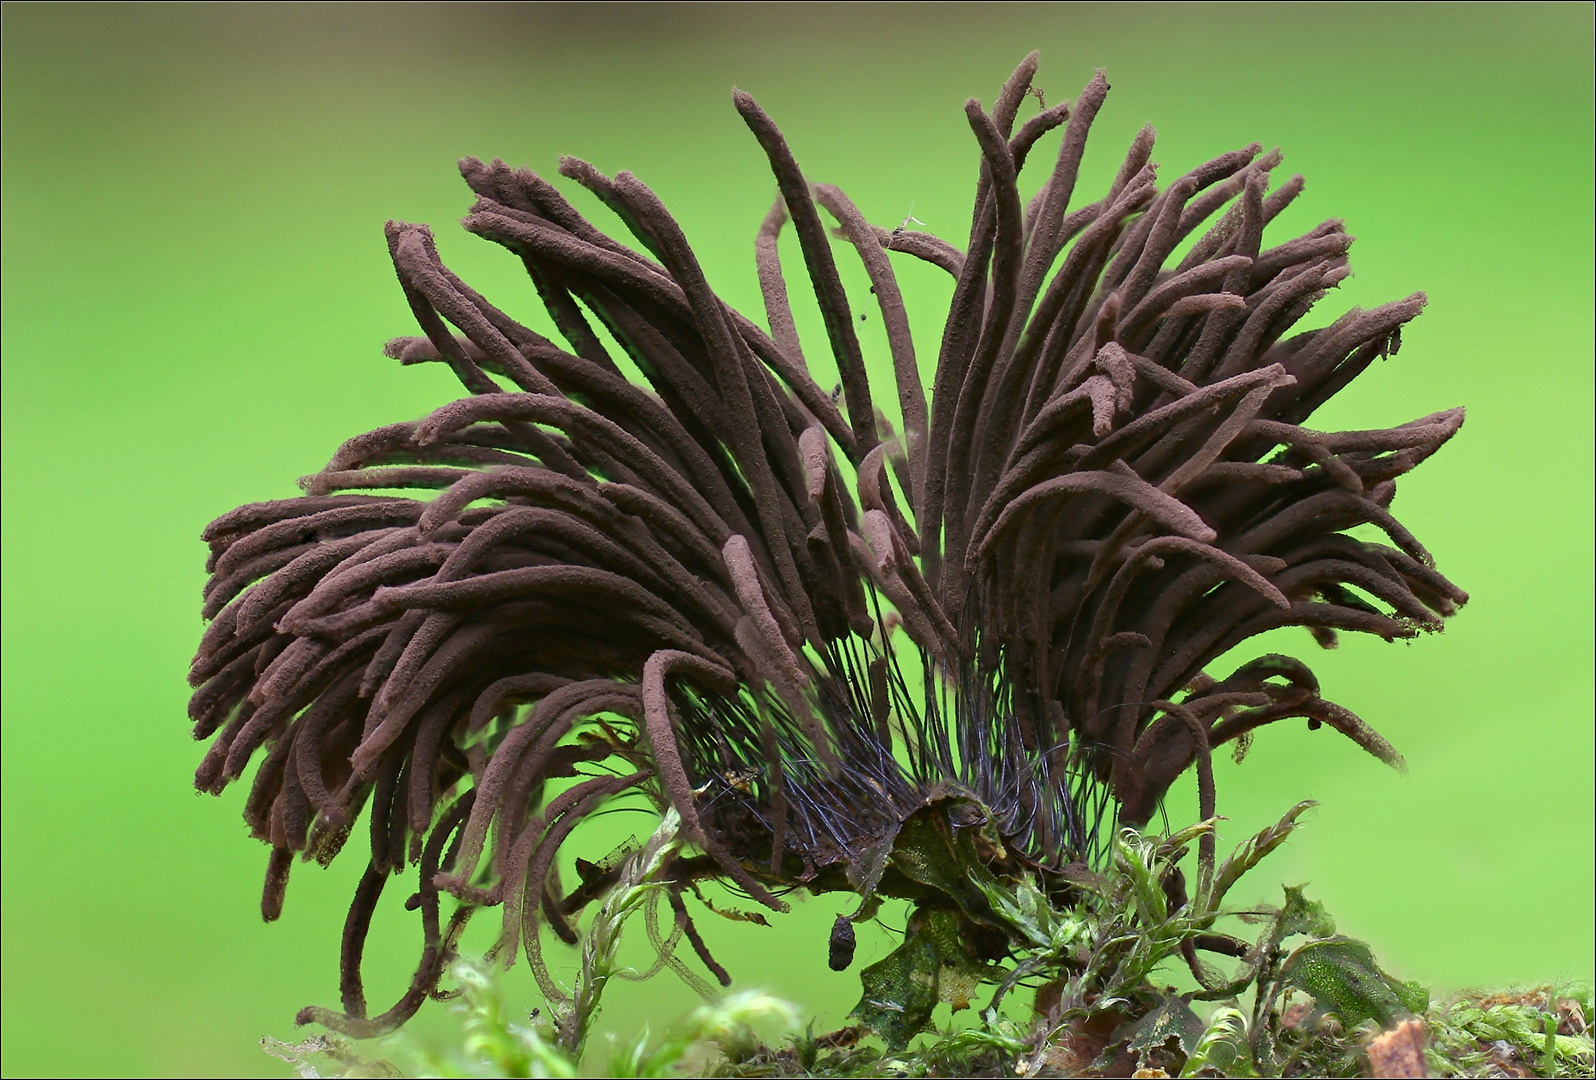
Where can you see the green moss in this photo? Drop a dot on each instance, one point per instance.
(1303, 1000)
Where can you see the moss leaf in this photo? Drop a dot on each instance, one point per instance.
(1341, 975)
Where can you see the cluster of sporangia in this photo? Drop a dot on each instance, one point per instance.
(740, 593)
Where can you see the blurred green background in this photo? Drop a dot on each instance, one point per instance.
(196, 290)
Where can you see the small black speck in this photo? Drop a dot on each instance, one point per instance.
(841, 945)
